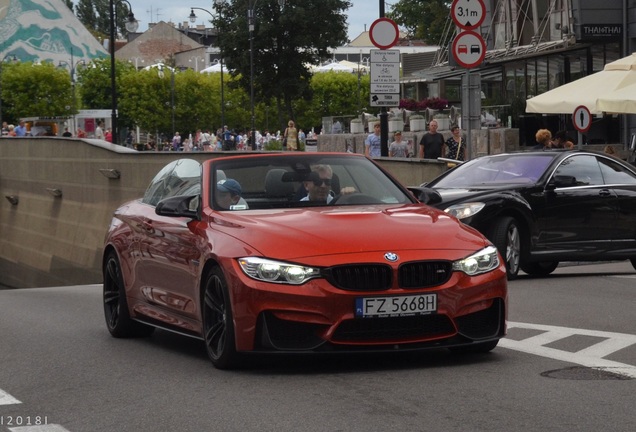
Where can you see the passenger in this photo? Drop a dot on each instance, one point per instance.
(609, 149)
(228, 195)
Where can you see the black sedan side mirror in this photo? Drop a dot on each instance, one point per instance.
(426, 195)
(179, 206)
(561, 181)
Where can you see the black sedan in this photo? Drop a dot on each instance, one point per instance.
(541, 208)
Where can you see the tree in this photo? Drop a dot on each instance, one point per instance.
(95, 15)
(285, 40)
(423, 19)
(36, 90)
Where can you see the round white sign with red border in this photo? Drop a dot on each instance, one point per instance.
(469, 49)
(582, 119)
(468, 14)
(384, 33)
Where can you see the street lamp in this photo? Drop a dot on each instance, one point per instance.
(131, 26)
(136, 59)
(250, 24)
(193, 18)
(196, 62)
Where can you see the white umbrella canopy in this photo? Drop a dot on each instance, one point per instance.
(612, 90)
(216, 67)
(334, 66)
(355, 66)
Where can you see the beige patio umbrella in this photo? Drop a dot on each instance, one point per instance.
(612, 90)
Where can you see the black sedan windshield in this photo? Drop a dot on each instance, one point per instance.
(497, 170)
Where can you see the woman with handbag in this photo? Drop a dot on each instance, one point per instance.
(456, 144)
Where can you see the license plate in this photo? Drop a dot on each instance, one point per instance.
(373, 307)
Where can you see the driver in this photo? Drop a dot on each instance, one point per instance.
(318, 185)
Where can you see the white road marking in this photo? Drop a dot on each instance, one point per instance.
(591, 356)
(7, 399)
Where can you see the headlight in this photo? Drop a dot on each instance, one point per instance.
(464, 210)
(277, 272)
(481, 262)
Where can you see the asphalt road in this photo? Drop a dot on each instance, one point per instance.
(568, 364)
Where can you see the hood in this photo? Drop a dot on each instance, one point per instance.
(452, 195)
(299, 233)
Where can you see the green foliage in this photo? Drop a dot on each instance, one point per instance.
(422, 19)
(285, 41)
(95, 15)
(30, 89)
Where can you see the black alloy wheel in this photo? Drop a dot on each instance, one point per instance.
(118, 320)
(218, 326)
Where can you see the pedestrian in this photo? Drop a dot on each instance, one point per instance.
(290, 137)
(67, 133)
(544, 140)
(398, 148)
(456, 144)
(176, 141)
(108, 136)
(5, 129)
(372, 144)
(99, 130)
(20, 130)
(432, 143)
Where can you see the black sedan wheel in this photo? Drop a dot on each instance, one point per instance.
(218, 326)
(506, 237)
(540, 269)
(118, 320)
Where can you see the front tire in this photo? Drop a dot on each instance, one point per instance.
(506, 237)
(118, 320)
(540, 269)
(218, 324)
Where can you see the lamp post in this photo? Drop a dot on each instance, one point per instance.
(172, 107)
(131, 26)
(73, 72)
(193, 18)
(136, 59)
(196, 62)
(250, 24)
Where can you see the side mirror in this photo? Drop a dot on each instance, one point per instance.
(179, 206)
(561, 181)
(426, 195)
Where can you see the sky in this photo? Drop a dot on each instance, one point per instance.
(146, 11)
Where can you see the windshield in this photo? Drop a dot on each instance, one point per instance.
(271, 182)
(497, 170)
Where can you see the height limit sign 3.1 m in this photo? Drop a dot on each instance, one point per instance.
(468, 14)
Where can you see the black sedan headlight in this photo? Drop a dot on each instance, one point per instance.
(480, 262)
(266, 270)
(464, 210)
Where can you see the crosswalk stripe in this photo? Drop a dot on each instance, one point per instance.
(591, 356)
(7, 399)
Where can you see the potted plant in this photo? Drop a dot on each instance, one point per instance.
(417, 123)
(356, 126)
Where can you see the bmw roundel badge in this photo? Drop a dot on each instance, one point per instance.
(390, 256)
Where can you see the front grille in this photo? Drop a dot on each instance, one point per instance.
(397, 329)
(361, 277)
(483, 324)
(424, 274)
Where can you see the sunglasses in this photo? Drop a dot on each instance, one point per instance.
(319, 182)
